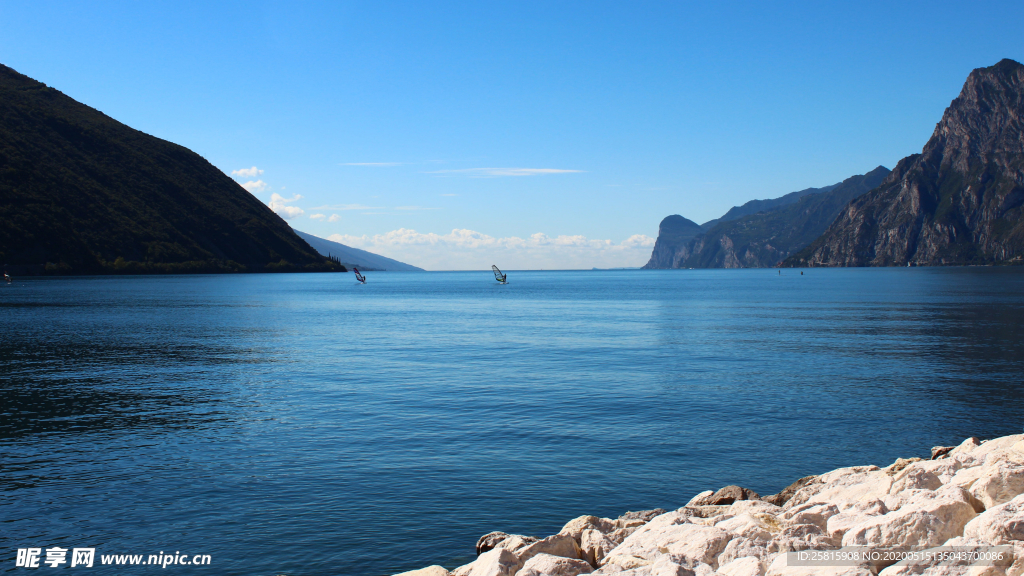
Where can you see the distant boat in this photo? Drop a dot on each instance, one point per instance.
(359, 276)
(498, 275)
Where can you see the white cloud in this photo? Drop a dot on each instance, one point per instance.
(463, 249)
(317, 216)
(279, 204)
(247, 172)
(334, 218)
(373, 164)
(254, 186)
(493, 172)
(414, 208)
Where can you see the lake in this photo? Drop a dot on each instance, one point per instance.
(304, 424)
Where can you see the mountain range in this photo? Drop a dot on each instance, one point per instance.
(350, 256)
(759, 234)
(958, 202)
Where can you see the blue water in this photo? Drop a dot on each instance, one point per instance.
(304, 424)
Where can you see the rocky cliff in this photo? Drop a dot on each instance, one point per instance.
(673, 233)
(968, 500)
(781, 227)
(81, 193)
(958, 202)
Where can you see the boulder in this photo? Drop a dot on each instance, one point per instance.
(941, 451)
(728, 495)
(691, 541)
(754, 507)
(898, 466)
(548, 565)
(817, 514)
(644, 516)
(558, 545)
(756, 527)
(594, 546)
(496, 562)
(488, 541)
(1002, 524)
(703, 496)
(838, 473)
(516, 542)
(838, 524)
(746, 566)
(998, 483)
(928, 519)
(740, 547)
(915, 478)
(428, 571)
(576, 526)
(859, 483)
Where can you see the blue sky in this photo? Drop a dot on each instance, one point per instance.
(546, 135)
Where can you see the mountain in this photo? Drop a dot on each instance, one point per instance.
(957, 202)
(81, 193)
(763, 239)
(755, 206)
(355, 256)
(674, 231)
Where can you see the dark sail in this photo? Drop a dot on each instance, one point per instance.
(497, 274)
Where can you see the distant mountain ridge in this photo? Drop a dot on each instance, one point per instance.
(961, 201)
(755, 206)
(81, 193)
(745, 239)
(354, 256)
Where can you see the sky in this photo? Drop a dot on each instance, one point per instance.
(454, 135)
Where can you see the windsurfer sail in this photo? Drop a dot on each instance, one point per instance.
(498, 275)
(7, 277)
(359, 276)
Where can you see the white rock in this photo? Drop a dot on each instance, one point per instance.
(829, 477)
(1002, 524)
(968, 445)
(428, 571)
(757, 527)
(780, 567)
(692, 541)
(740, 547)
(699, 497)
(514, 543)
(894, 502)
(594, 546)
(817, 514)
(576, 526)
(998, 483)
(754, 507)
(928, 519)
(548, 565)
(496, 562)
(558, 545)
(1003, 443)
(838, 524)
(853, 487)
(746, 566)
(915, 478)
(945, 468)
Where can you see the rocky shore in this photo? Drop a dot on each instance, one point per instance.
(969, 496)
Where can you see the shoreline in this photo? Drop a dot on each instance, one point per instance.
(969, 497)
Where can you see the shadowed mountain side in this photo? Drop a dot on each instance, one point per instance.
(762, 240)
(674, 231)
(81, 193)
(355, 256)
(755, 206)
(958, 202)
